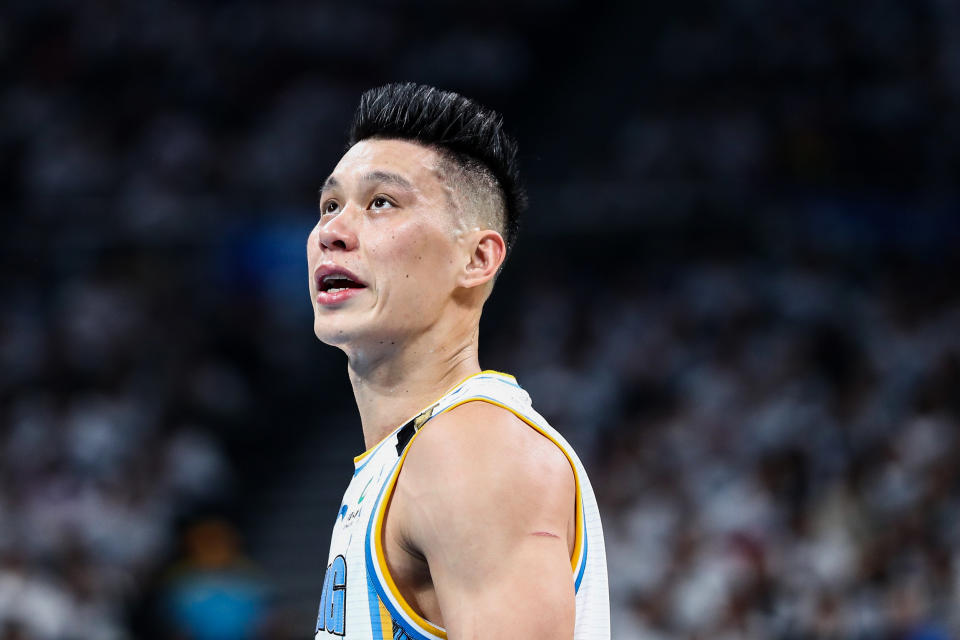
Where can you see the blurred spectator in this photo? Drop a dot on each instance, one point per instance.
(213, 592)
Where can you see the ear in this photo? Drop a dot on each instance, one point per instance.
(487, 254)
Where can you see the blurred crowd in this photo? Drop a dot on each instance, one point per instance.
(775, 449)
(90, 493)
(98, 464)
(157, 121)
(774, 439)
(778, 451)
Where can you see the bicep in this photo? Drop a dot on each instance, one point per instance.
(524, 590)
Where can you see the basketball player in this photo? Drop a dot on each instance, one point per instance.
(468, 516)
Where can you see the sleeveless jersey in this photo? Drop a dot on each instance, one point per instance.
(360, 600)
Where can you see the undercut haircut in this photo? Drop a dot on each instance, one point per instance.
(463, 132)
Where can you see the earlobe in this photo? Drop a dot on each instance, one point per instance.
(489, 251)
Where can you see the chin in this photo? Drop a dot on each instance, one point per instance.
(329, 333)
(342, 334)
(359, 338)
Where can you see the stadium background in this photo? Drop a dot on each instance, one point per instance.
(735, 292)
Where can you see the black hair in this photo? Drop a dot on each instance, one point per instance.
(468, 133)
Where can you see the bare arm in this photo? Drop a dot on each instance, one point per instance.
(490, 504)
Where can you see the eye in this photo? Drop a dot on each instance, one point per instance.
(329, 207)
(380, 202)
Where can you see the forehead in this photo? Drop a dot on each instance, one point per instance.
(416, 163)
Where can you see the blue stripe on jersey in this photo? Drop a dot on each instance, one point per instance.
(512, 384)
(381, 589)
(498, 402)
(360, 468)
(586, 540)
(368, 543)
(373, 453)
(501, 379)
(411, 632)
(374, 610)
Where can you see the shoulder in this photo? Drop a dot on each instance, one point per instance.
(483, 438)
(481, 460)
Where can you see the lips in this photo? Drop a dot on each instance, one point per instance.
(336, 284)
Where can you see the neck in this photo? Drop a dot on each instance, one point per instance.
(393, 388)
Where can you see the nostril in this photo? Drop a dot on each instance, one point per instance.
(330, 244)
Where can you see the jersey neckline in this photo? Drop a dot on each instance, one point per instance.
(357, 460)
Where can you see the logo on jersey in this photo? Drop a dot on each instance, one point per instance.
(332, 614)
(347, 516)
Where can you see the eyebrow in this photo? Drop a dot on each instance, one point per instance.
(379, 177)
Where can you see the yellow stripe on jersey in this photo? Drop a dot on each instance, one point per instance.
(580, 528)
(366, 453)
(377, 533)
(398, 599)
(499, 373)
(386, 622)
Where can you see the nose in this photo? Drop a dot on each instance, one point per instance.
(338, 233)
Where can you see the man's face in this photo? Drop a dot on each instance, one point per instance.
(386, 218)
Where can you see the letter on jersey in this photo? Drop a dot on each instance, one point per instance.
(332, 614)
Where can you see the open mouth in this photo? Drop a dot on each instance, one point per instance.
(334, 282)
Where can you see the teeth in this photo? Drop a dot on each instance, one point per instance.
(336, 289)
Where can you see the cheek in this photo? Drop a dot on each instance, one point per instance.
(420, 252)
(418, 261)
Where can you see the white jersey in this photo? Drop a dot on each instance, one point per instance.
(360, 599)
